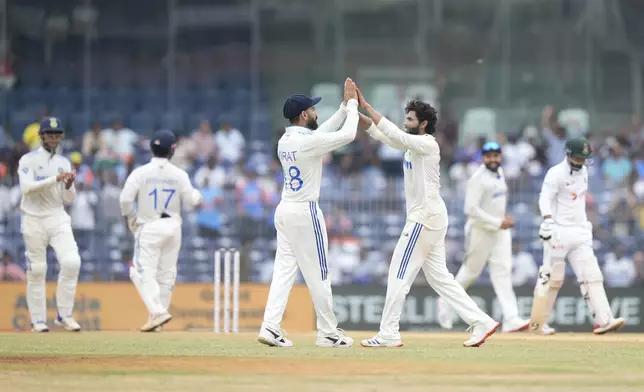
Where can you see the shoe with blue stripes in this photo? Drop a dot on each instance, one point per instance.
(68, 323)
(379, 341)
(340, 339)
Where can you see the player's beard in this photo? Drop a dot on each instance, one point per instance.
(413, 131)
(493, 166)
(312, 124)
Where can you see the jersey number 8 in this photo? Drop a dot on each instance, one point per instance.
(293, 181)
(170, 193)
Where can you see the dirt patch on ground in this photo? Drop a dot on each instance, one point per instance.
(220, 365)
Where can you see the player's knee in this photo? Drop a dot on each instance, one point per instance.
(37, 271)
(70, 264)
(167, 277)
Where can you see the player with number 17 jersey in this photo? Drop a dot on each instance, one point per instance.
(299, 222)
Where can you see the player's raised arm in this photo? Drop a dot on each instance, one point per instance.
(473, 209)
(370, 127)
(323, 143)
(335, 121)
(420, 121)
(27, 177)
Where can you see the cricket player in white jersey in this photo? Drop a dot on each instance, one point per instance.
(47, 184)
(159, 189)
(422, 242)
(301, 231)
(567, 232)
(488, 239)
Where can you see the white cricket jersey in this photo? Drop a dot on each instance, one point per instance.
(421, 166)
(563, 194)
(486, 199)
(42, 195)
(157, 187)
(301, 152)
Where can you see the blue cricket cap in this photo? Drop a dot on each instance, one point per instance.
(490, 147)
(296, 104)
(163, 139)
(51, 124)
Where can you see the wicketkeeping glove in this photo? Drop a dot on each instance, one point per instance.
(545, 230)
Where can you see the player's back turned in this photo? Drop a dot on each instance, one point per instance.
(301, 165)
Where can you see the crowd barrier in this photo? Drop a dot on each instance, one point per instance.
(117, 307)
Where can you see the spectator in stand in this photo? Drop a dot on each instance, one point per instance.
(617, 167)
(93, 140)
(555, 135)
(230, 143)
(524, 268)
(638, 261)
(204, 142)
(210, 173)
(120, 140)
(110, 210)
(10, 271)
(209, 217)
(251, 206)
(31, 135)
(82, 214)
(619, 269)
(184, 153)
(83, 172)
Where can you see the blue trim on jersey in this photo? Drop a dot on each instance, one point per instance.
(319, 240)
(409, 250)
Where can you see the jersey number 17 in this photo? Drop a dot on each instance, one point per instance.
(169, 192)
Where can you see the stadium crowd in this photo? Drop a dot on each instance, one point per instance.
(241, 182)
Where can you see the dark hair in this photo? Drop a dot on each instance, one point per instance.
(159, 152)
(424, 112)
(294, 119)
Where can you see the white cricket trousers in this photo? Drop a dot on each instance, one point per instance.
(39, 233)
(495, 247)
(301, 242)
(154, 270)
(419, 247)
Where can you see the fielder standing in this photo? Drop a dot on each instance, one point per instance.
(47, 184)
(301, 231)
(422, 242)
(488, 239)
(159, 189)
(568, 233)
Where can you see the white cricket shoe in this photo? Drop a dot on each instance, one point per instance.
(547, 330)
(379, 341)
(445, 319)
(481, 332)
(612, 325)
(516, 324)
(340, 339)
(39, 327)
(146, 329)
(273, 337)
(156, 320)
(68, 323)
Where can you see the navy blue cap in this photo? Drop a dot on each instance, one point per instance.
(163, 139)
(51, 124)
(296, 104)
(491, 146)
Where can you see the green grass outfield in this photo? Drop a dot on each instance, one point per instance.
(187, 361)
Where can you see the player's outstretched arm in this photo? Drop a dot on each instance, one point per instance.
(127, 199)
(368, 125)
(28, 182)
(473, 210)
(322, 143)
(334, 122)
(397, 137)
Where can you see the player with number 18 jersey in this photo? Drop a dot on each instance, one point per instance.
(301, 231)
